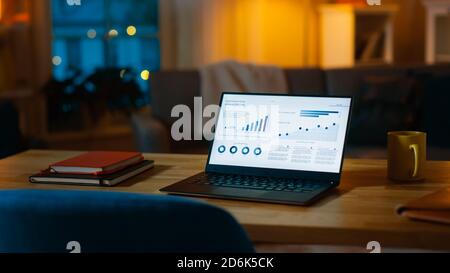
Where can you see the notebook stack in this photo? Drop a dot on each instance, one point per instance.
(94, 168)
(434, 207)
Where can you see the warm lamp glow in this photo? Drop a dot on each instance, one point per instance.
(270, 32)
(13, 13)
(21, 18)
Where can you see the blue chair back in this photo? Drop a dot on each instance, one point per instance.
(42, 221)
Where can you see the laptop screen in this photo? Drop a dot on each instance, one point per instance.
(281, 132)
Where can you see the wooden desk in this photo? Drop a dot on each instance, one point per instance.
(361, 210)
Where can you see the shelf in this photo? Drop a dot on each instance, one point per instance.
(442, 58)
(5, 29)
(381, 10)
(16, 94)
(361, 35)
(436, 30)
(358, 10)
(371, 62)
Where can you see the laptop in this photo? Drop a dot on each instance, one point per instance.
(284, 149)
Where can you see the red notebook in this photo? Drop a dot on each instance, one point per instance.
(97, 163)
(432, 208)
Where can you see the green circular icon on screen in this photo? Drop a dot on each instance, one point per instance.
(245, 150)
(258, 151)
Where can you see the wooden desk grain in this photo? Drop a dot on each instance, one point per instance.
(361, 210)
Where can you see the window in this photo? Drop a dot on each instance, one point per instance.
(101, 34)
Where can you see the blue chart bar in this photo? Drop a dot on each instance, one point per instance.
(316, 113)
(257, 126)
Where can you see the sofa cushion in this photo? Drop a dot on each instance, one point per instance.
(431, 70)
(170, 88)
(385, 98)
(385, 103)
(307, 81)
(350, 81)
(435, 105)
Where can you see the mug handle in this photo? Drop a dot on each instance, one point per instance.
(415, 149)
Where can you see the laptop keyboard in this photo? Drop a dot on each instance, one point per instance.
(259, 183)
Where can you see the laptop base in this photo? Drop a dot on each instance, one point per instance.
(205, 185)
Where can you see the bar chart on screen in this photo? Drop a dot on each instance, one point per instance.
(245, 124)
(318, 113)
(260, 125)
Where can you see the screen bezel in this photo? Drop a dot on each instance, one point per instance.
(259, 171)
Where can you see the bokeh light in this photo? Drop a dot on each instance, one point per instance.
(131, 30)
(56, 60)
(92, 33)
(145, 75)
(122, 73)
(113, 33)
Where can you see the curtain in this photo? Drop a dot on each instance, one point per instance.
(278, 32)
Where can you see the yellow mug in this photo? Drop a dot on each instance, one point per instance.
(407, 155)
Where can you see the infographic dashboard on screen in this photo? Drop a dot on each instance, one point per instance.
(281, 132)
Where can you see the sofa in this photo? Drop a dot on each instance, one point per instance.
(387, 98)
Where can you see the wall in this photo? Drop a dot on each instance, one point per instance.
(282, 32)
(199, 32)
